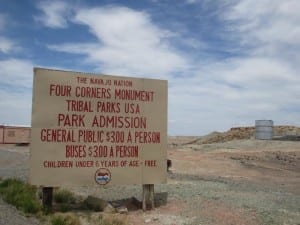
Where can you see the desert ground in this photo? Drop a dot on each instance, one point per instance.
(220, 179)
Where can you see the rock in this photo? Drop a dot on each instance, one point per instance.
(148, 220)
(109, 209)
(122, 210)
(155, 219)
(137, 203)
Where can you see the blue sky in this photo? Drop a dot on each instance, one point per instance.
(228, 62)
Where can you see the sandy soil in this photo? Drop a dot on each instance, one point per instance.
(251, 181)
(238, 182)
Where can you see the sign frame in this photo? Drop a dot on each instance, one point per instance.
(95, 129)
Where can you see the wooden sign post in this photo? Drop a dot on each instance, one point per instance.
(148, 197)
(47, 197)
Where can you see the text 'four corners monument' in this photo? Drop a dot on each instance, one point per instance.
(97, 129)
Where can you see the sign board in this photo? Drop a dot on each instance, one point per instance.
(97, 129)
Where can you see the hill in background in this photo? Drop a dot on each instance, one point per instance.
(290, 133)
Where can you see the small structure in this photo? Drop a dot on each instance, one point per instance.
(14, 134)
(264, 129)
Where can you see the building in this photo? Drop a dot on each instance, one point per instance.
(14, 134)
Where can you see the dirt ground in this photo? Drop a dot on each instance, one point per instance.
(244, 181)
(240, 182)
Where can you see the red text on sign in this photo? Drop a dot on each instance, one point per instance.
(72, 120)
(57, 135)
(60, 90)
(150, 163)
(75, 151)
(110, 107)
(92, 92)
(79, 106)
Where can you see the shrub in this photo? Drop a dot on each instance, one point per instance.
(110, 221)
(65, 220)
(20, 194)
(94, 203)
(64, 196)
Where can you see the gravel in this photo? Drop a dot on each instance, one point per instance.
(270, 204)
(14, 163)
(9, 215)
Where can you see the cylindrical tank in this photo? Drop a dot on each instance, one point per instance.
(264, 129)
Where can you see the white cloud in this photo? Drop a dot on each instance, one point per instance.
(267, 21)
(15, 101)
(217, 94)
(258, 71)
(234, 93)
(15, 91)
(6, 45)
(16, 107)
(262, 84)
(54, 14)
(128, 43)
(191, 1)
(16, 73)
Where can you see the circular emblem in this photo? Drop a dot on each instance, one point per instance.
(102, 176)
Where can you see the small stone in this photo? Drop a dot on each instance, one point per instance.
(122, 210)
(155, 219)
(109, 209)
(148, 220)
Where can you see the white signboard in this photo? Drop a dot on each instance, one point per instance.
(97, 129)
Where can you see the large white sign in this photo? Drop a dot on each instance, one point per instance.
(97, 129)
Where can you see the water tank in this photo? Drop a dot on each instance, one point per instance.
(264, 129)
